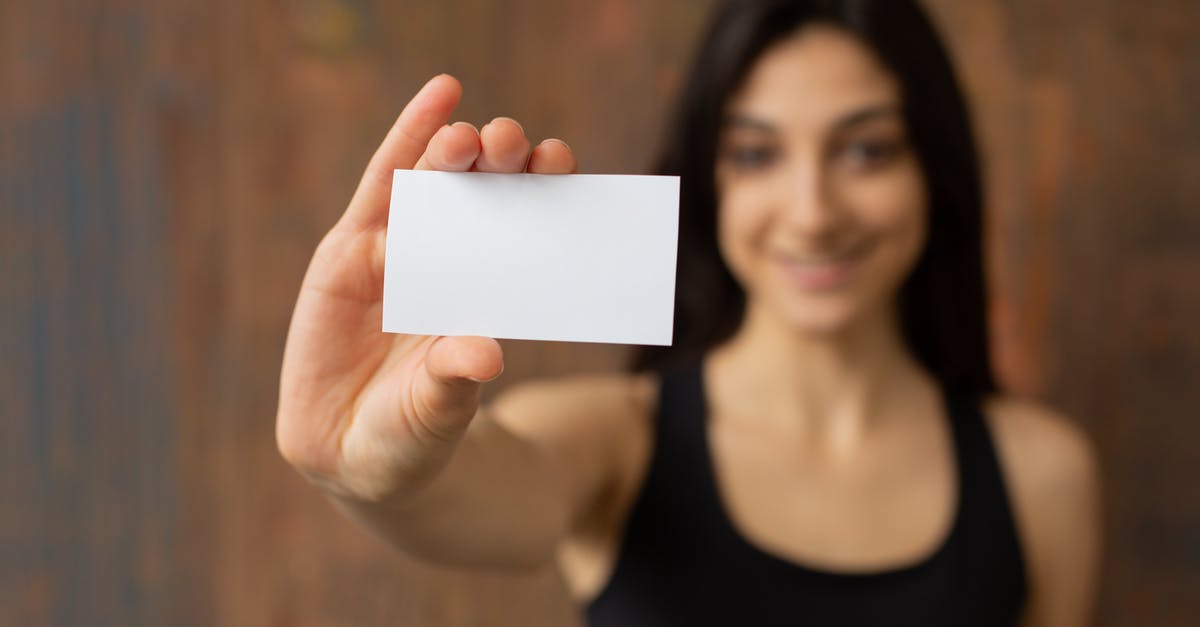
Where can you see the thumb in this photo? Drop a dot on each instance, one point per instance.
(454, 369)
(477, 359)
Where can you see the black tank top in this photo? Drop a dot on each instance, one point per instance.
(682, 562)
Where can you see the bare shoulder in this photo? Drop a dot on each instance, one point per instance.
(585, 424)
(1053, 476)
(1045, 453)
(612, 394)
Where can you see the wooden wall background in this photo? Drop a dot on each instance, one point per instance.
(166, 168)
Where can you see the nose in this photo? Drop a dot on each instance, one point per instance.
(810, 208)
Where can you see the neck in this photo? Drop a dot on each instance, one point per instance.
(829, 385)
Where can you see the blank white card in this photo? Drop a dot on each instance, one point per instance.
(576, 257)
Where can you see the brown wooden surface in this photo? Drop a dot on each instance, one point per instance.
(167, 167)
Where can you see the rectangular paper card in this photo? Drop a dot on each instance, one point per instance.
(573, 257)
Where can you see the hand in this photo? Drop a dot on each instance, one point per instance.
(369, 415)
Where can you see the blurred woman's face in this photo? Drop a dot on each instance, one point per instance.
(822, 203)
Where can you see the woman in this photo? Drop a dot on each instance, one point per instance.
(823, 444)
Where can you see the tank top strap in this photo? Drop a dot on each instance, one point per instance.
(677, 478)
(987, 536)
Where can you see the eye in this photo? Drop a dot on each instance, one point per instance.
(868, 153)
(750, 157)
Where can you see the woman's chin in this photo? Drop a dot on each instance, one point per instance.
(816, 318)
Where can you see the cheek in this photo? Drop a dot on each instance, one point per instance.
(895, 211)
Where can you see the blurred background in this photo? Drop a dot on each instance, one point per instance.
(167, 167)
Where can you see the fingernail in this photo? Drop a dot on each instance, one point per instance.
(557, 141)
(468, 124)
(497, 376)
(511, 120)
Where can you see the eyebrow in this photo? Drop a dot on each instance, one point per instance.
(846, 121)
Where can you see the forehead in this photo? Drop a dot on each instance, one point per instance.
(812, 78)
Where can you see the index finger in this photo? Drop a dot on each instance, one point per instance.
(404, 144)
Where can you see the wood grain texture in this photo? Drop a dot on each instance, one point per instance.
(167, 167)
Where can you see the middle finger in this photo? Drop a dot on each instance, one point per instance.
(505, 147)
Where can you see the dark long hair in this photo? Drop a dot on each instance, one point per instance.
(942, 304)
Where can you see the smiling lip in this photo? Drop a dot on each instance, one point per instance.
(824, 274)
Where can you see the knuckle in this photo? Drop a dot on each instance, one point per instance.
(306, 454)
(295, 453)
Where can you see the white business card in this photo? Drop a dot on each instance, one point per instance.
(572, 257)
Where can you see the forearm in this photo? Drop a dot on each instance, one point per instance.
(496, 504)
